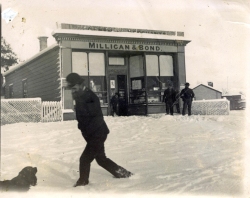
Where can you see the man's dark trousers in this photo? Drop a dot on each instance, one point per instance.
(187, 103)
(170, 107)
(95, 150)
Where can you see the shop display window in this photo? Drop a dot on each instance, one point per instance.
(166, 65)
(98, 85)
(91, 67)
(96, 64)
(80, 63)
(137, 80)
(159, 71)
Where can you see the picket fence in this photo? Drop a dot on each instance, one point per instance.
(51, 111)
(29, 110)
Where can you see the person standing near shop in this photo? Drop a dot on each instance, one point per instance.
(169, 98)
(115, 104)
(187, 96)
(94, 130)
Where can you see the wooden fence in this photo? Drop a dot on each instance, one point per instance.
(51, 111)
(20, 110)
(29, 110)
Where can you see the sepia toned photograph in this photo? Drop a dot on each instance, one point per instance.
(137, 98)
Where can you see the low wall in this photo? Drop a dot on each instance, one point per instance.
(20, 110)
(211, 107)
(29, 110)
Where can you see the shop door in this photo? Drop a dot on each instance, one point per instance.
(122, 91)
(117, 72)
(137, 91)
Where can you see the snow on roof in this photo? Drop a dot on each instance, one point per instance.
(30, 59)
(231, 94)
(118, 34)
(207, 87)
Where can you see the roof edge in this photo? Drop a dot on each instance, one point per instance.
(14, 68)
(119, 35)
(207, 87)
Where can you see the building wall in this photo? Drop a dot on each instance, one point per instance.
(234, 105)
(42, 76)
(202, 92)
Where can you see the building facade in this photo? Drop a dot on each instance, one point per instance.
(137, 65)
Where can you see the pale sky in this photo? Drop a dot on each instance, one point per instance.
(218, 30)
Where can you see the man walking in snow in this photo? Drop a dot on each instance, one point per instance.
(169, 98)
(94, 130)
(187, 96)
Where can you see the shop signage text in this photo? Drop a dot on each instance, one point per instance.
(117, 46)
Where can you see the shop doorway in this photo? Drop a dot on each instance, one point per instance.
(118, 85)
(117, 72)
(122, 91)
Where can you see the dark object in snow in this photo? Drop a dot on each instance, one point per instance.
(22, 182)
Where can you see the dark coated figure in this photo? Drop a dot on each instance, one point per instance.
(94, 131)
(169, 98)
(187, 96)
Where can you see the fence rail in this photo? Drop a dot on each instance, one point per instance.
(29, 110)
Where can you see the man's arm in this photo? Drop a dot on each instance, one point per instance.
(192, 93)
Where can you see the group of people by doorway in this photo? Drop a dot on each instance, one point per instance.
(171, 98)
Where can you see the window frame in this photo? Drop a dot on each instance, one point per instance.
(102, 94)
(11, 90)
(24, 81)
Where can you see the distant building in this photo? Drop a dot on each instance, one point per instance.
(204, 92)
(235, 100)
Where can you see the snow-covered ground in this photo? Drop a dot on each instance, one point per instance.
(169, 155)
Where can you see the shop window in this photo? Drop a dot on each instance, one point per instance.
(153, 81)
(136, 66)
(25, 90)
(11, 92)
(152, 68)
(96, 64)
(80, 63)
(166, 65)
(91, 67)
(116, 61)
(97, 80)
(137, 84)
(166, 69)
(98, 85)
